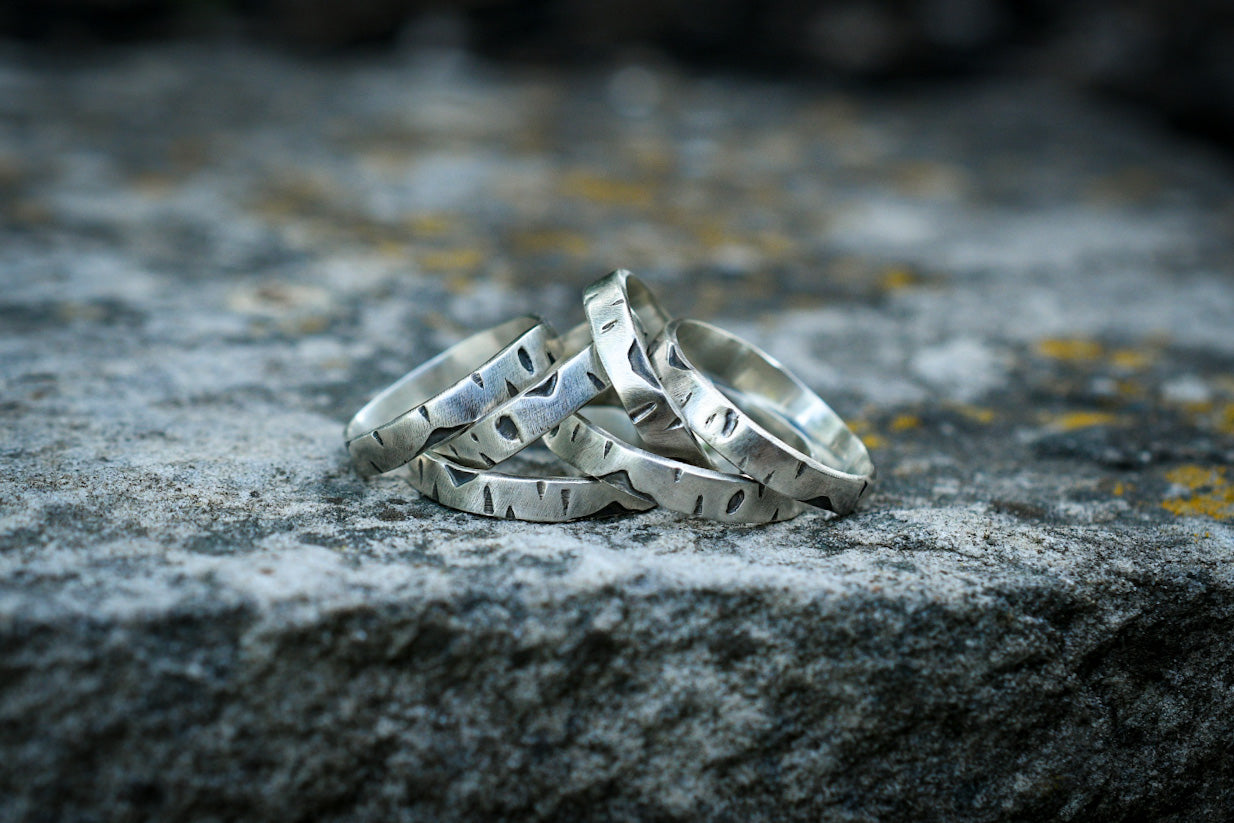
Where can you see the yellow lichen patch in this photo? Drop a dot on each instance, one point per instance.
(1081, 420)
(1225, 419)
(712, 233)
(459, 283)
(898, 278)
(391, 249)
(904, 422)
(1132, 359)
(550, 241)
(1132, 184)
(977, 413)
(930, 179)
(1209, 492)
(608, 191)
(451, 259)
(153, 184)
(1070, 349)
(874, 441)
(296, 197)
(775, 244)
(864, 430)
(430, 224)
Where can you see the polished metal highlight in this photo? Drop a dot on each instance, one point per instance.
(516, 497)
(518, 422)
(600, 441)
(812, 456)
(440, 398)
(624, 316)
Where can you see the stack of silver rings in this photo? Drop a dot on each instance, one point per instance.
(641, 409)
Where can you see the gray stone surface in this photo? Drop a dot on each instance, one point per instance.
(208, 259)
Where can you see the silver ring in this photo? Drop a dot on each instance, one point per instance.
(440, 398)
(624, 315)
(518, 422)
(822, 463)
(539, 499)
(597, 442)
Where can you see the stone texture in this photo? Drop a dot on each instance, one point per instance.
(210, 258)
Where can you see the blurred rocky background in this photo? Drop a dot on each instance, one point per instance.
(1176, 60)
(224, 225)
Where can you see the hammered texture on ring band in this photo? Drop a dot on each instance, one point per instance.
(440, 398)
(624, 317)
(831, 472)
(640, 410)
(537, 499)
(592, 441)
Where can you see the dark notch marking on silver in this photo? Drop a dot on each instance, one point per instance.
(734, 502)
(424, 414)
(762, 489)
(488, 500)
(377, 437)
(730, 423)
(608, 447)
(525, 359)
(674, 359)
(677, 472)
(607, 327)
(474, 437)
(376, 468)
(511, 389)
(767, 480)
(710, 417)
(434, 493)
(689, 397)
(822, 501)
(477, 379)
(621, 479)
(613, 510)
(565, 501)
(618, 301)
(541, 487)
(675, 423)
(441, 434)
(698, 506)
(510, 513)
(641, 413)
(453, 451)
(596, 381)
(639, 364)
(459, 477)
(420, 468)
(775, 515)
(545, 388)
(506, 427)
(552, 358)
(865, 484)
(801, 467)
(488, 461)
(574, 433)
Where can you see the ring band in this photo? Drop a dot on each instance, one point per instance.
(692, 357)
(594, 442)
(624, 316)
(437, 400)
(518, 422)
(538, 499)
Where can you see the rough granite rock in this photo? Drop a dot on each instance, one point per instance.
(209, 258)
